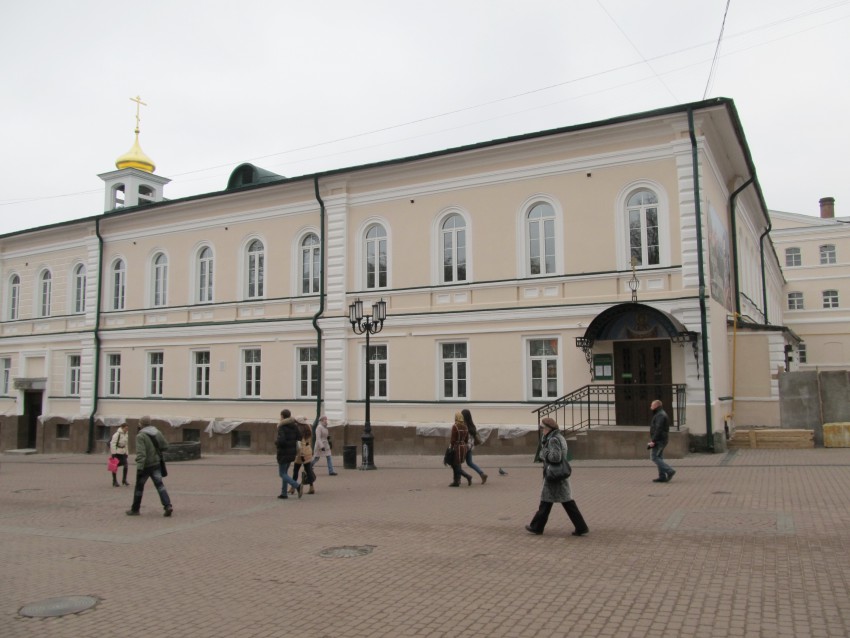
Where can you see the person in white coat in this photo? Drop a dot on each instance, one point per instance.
(119, 450)
(323, 445)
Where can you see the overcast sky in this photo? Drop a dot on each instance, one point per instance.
(303, 86)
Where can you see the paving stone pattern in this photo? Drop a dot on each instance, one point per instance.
(751, 543)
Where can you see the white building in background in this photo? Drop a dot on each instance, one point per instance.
(507, 268)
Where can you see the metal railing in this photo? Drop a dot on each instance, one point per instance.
(596, 404)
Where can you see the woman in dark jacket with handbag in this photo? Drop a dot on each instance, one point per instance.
(459, 444)
(287, 443)
(553, 448)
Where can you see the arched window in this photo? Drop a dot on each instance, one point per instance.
(79, 288)
(375, 251)
(118, 196)
(119, 278)
(14, 297)
(146, 194)
(205, 275)
(453, 249)
(311, 264)
(159, 280)
(642, 213)
(256, 269)
(540, 239)
(45, 292)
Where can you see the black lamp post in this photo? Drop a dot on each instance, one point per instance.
(370, 325)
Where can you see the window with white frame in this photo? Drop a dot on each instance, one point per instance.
(795, 301)
(827, 254)
(156, 373)
(205, 275)
(308, 372)
(543, 368)
(201, 373)
(251, 372)
(311, 264)
(45, 293)
(830, 299)
(540, 237)
(801, 352)
(14, 297)
(79, 289)
(454, 364)
(453, 249)
(377, 361)
(256, 256)
(6, 379)
(113, 374)
(375, 251)
(74, 375)
(644, 236)
(793, 257)
(160, 280)
(119, 279)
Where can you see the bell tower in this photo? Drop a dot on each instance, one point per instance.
(134, 183)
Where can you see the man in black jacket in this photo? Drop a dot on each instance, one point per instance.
(659, 428)
(286, 443)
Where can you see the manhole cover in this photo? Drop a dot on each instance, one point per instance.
(347, 551)
(58, 606)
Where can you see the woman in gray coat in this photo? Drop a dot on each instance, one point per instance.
(553, 447)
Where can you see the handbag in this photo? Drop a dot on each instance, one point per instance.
(448, 457)
(477, 439)
(557, 472)
(112, 464)
(308, 476)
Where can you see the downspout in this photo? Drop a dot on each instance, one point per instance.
(321, 310)
(96, 334)
(701, 276)
(763, 276)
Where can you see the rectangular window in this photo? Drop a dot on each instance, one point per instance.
(74, 375)
(830, 299)
(454, 365)
(308, 372)
(63, 431)
(103, 434)
(378, 372)
(827, 254)
(191, 435)
(543, 365)
(6, 379)
(795, 301)
(201, 373)
(240, 440)
(801, 352)
(156, 372)
(251, 372)
(792, 257)
(113, 371)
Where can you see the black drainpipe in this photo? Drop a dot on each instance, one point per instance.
(701, 272)
(732, 199)
(96, 334)
(763, 277)
(321, 298)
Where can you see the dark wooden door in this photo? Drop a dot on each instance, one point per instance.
(32, 410)
(642, 373)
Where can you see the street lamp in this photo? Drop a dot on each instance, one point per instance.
(370, 325)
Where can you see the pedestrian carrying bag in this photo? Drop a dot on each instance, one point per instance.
(112, 464)
(162, 469)
(447, 457)
(557, 472)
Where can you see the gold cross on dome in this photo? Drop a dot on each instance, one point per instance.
(138, 101)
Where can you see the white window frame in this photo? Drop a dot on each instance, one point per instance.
(539, 231)
(793, 257)
(523, 239)
(376, 243)
(45, 293)
(255, 269)
(252, 373)
(828, 254)
(201, 373)
(795, 301)
(456, 244)
(306, 370)
(75, 368)
(623, 244)
(155, 380)
(205, 277)
(375, 371)
(113, 374)
(6, 378)
(529, 362)
(79, 290)
(802, 353)
(159, 280)
(119, 284)
(830, 298)
(455, 363)
(309, 266)
(14, 297)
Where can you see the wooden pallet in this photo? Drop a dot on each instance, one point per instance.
(764, 438)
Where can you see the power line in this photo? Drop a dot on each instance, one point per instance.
(716, 51)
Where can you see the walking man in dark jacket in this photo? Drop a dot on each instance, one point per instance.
(287, 442)
(149, 446)
(659, 429)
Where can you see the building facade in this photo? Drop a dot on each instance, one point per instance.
(515, 272)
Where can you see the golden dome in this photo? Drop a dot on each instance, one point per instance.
(136, 158)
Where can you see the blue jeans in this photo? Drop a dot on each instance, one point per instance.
(656, 455)
(155, 475)
(283, 471)
(330, 463)
(473, 465)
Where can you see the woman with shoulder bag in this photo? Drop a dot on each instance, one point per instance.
(304, 455)
(553, 449)
(323, 445)
(459, 446)
(474, 440)
(118, 448)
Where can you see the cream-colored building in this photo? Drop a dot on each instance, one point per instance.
(814, 253)
(507, 268)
